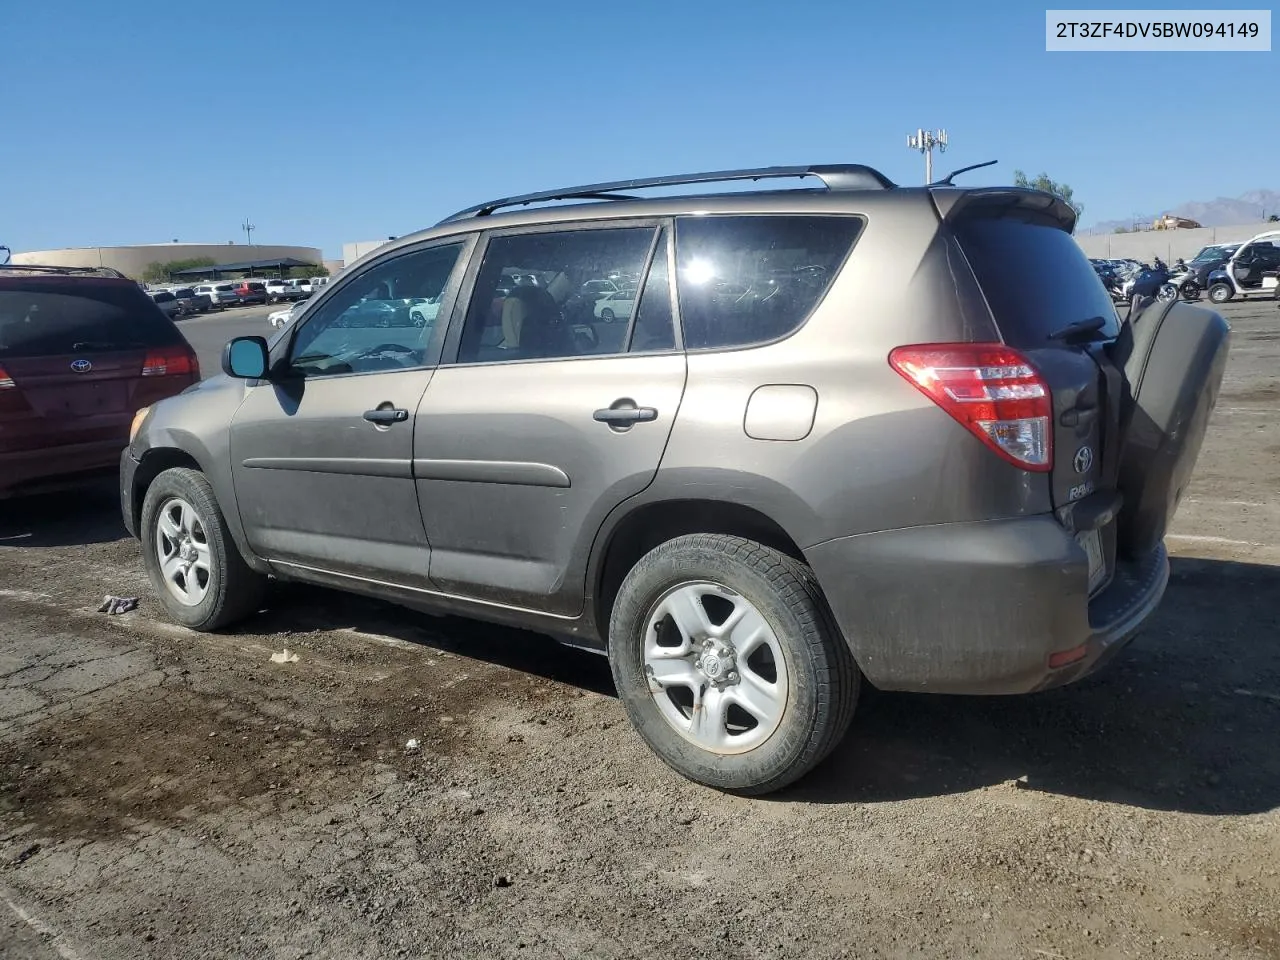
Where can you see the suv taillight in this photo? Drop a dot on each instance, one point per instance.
(990, 389)
(170, 362)
(11, 399)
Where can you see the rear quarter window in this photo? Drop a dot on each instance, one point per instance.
(1035, 278)
(744, 280)
(43, 318)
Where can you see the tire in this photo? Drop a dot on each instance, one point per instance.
(231, 590)
(1168, 292)
(607, 315)
(1220, 293)
(1191, 291)
(815, 680)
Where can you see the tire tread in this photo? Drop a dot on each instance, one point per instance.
(240, 589)
(796, 587)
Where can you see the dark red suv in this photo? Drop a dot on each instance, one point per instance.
(251, 291)
(80, 352)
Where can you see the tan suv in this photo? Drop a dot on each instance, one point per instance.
(859, 432)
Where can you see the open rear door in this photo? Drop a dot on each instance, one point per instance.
(1173, 356)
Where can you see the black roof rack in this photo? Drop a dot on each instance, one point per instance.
(840, 176)
(41, 269)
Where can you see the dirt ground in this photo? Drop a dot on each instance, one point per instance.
(170, 794)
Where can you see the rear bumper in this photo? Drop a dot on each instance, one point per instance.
(979, 608)
(36, 471)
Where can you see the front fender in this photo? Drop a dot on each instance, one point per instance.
(197, 425)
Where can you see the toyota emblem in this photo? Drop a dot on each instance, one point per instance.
(81, 366)
(1084, 460)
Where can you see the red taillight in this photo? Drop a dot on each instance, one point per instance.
(11, 398)
(170, 362)
(992, 390)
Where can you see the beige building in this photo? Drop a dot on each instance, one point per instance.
(133, 261)
(351, 252)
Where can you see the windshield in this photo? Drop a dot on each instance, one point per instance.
(1216, 253)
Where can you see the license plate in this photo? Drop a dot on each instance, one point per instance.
(1091, 540)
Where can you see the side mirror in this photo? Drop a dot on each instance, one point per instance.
(245, 358)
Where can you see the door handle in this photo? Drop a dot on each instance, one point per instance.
(621, 415)
(384, 415)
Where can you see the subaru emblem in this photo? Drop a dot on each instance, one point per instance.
(81, 366)
(1084, 460)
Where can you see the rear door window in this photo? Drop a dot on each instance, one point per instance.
(537, 296)
(751, 279)
(48, 319)
(1035, 277)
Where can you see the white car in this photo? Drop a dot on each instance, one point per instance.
(280, 318)
(309, 285)
(424, 312)
(283, 290)
(616, 306)
(220, 294)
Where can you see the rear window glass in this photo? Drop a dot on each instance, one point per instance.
(751, 279)
(44, 319)
(1035, 277)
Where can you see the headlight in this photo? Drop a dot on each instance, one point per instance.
(137, 422)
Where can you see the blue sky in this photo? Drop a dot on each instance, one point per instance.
(324, 122)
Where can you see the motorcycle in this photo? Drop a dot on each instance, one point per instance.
(1182, 285)
(1150, 280)
(1119, 282)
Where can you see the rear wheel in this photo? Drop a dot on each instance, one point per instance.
(728, 664)
(607, 315)
(1167, 293)
(1221, 293)
(194, 565)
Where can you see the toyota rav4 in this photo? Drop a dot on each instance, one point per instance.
(855, 433)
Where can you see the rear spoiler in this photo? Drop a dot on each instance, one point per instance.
(1016, 203)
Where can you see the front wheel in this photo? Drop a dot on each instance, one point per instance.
(728, 664)
(1168, 293)
(1191, 291)
(194, 565)
(607, 315)
(1220, 293)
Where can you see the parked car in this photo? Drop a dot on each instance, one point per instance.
(1248, 271)
(424, 310)
(280, 318)
(190, 302)
(281, 290)
(309, 285)
(80, 351)
(251, 291)
(221, 295)
(166, 301)
(615, 306)
(750, 510)
(596, 289)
